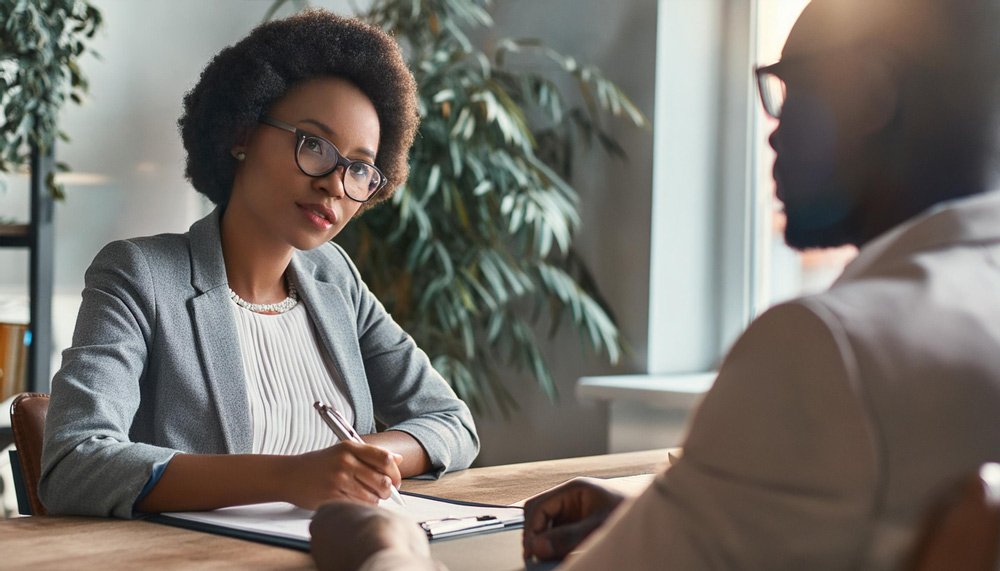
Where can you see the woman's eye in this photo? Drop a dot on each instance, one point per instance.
(313, 146)
(360, 170)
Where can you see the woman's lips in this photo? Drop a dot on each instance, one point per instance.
(323, 217)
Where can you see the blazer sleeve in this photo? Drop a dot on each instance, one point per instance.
(408, 394)
(779, 467)
(89, 466)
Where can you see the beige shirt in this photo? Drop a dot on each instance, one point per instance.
(837, 419)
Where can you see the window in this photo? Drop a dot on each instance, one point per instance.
(780, 273)
(717, 251)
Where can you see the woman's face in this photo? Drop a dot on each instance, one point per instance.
(273, 195)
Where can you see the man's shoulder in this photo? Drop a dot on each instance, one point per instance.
(924, 304)
(935, 280)
(844, 315)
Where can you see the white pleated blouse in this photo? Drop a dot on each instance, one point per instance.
(286, 372)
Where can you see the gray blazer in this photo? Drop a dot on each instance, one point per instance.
(155, 369)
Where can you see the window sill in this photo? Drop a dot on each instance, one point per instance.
(681, 391)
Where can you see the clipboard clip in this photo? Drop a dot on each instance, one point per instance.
(434, 527)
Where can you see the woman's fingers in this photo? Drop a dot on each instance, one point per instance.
(373, 469)
(347, 470)
(379, 459)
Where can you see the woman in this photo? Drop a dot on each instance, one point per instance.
(197, 358)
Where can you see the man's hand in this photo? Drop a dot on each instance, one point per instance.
(559, 520)
(346, 534)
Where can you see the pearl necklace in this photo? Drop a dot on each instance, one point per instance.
(281, 307)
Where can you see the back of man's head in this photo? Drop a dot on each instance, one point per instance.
(944, 134)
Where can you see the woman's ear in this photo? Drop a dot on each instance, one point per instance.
(239, 148)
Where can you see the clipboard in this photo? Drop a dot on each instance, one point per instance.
(285, 525)
(479, 518)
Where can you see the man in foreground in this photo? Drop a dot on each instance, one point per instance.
(837, 418)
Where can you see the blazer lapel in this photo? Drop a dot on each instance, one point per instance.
(215, 334)
(332, 315)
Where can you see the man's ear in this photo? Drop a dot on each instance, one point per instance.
(879, 93)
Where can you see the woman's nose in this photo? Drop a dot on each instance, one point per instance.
(331, 183)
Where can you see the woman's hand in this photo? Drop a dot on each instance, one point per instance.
(347, 470)
(557, 521)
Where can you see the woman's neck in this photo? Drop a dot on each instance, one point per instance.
(255, 263)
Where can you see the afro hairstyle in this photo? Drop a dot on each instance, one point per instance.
(244, 80)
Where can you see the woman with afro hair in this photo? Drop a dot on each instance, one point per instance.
(197, 357)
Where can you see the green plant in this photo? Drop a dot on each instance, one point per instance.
(41, 43)
(477, 249)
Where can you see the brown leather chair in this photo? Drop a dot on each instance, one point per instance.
(963, 531)
(27, 419)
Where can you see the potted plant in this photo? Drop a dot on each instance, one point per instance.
(40, 48)
(478, 248)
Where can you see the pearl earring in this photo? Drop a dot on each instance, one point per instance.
(240, 156)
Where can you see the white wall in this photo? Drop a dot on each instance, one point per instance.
(153, 52)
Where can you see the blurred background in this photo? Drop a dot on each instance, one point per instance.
(683, 237)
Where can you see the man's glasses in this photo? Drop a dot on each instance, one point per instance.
(318, 157)
(772, 89)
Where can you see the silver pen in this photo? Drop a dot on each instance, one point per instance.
(344, 431)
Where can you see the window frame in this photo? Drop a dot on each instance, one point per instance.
(704, 241)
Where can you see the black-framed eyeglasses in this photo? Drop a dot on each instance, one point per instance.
(318, 157)
(771, 87)
(772, 79)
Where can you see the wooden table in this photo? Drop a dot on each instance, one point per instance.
(97, 543)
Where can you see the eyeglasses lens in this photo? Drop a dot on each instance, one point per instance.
(317, 157)
(772, 92)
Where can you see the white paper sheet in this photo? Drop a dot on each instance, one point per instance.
(280, 519)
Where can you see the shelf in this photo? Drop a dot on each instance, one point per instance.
(15, 236)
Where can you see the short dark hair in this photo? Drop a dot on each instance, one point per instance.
(244, 80)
